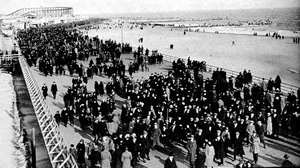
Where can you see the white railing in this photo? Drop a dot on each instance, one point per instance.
(57, 150)
(285, 87)
(7, 58)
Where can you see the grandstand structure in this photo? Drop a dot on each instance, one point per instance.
(42, 12)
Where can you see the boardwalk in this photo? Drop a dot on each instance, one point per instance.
(271, 156)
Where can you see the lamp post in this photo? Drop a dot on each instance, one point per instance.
(122, 34)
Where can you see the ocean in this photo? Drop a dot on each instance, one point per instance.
(282, 18)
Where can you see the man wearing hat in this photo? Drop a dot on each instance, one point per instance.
(250, 130)
(287, 162)
(192, 147)
(54, 89)
(170, 161)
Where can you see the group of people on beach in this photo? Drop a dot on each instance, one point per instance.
(275, 35)
(296, 40)
(213, 118)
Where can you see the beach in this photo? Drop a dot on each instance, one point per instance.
(12, 149)
(11, 154)
(264, 56)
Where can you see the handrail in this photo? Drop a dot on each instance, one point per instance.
(285, 87)
(49, 129)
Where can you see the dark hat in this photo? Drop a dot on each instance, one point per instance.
(171, 153)
(286, 156)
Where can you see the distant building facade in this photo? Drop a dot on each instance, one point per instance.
(42, 12)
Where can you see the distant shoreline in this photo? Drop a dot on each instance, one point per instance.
(232, 30)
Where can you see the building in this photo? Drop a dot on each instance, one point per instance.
(42, 12)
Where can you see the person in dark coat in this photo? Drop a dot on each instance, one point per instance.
(95, 157)
(200, 159)
(147, 143)
(219, 148)
(116, 157)
(64, 116)
(96, 87)
(71, 115)
(275, 125)
(82, 121)
(238, 146)
(142, 143)
(277, 82)
(287, 162)
(54, 89)
(156, 136)
(80, 147)
(101, 88)
(133, 148)
(261, 132)
(45, 90)
(170, 161)
(57, 117)
(200, 139)
(192, 147)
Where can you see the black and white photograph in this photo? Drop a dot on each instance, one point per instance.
(149, 83)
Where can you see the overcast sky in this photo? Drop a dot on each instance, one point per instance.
(133, 6)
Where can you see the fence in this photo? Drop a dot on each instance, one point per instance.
(6, 59)
(57, 150)
(285, 87)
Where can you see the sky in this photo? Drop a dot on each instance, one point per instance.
(137, 6)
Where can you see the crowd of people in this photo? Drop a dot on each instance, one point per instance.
(56, 49)
(275, 35)
(210, 117)
(296, 40)
(142, 59)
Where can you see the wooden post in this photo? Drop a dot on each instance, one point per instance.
(168, 118)
(122, 38)
(33, 153)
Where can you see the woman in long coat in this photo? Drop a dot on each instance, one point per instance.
(101, 88)
(219, 150)
(96, 86)
(269, 124)
(95, 157)
(255, 148)
(116, 157)
(105, 159)
(192, 147)
(209, 155)
(126, 158)
(80, 147)
(238, 149)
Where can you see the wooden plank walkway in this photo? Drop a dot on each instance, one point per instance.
(269, 157)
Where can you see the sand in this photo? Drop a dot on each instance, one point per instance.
(264, 56)
(10, 155)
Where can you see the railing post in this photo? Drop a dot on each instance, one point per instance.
(33, 146)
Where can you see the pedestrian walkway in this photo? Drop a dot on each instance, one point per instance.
(269, 157)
